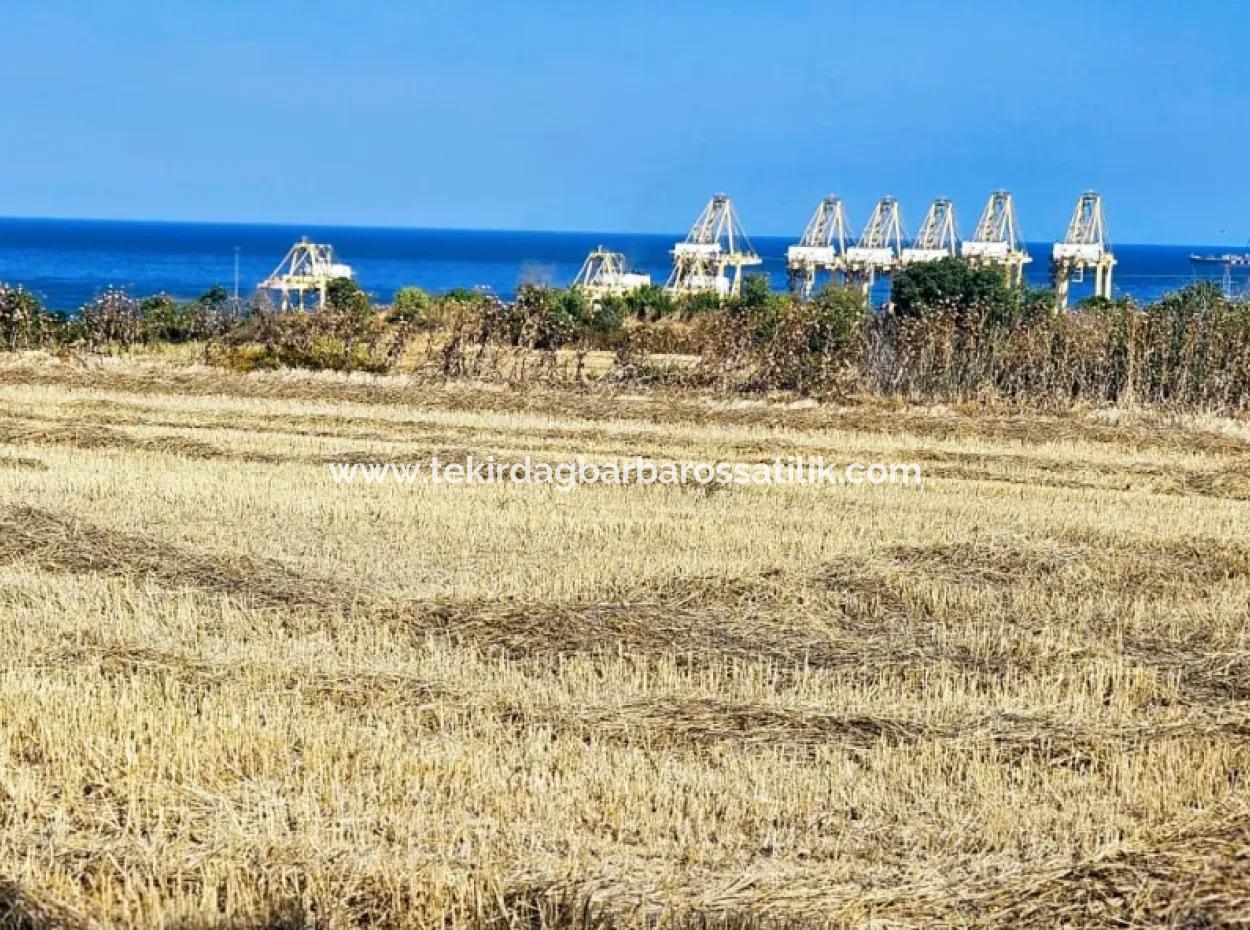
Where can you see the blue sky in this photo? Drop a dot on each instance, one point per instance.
(626, 116)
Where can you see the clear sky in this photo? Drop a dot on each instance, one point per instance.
(627, 115)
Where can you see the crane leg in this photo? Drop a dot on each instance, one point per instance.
(1061, 289)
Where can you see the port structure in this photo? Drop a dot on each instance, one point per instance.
(606, 274)
(309, 267)
(1085, 246)
(716, 243)
(938, 237)
(879, 248)
(997, 241)
(822, 247)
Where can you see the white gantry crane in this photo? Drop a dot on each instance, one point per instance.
(822, 248)
(997, 240)
(1085, 246)
(715, 244)
(880, 245)
(308, 268)
(606, 274)
(938, 237)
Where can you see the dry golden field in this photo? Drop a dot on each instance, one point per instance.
(233, 694)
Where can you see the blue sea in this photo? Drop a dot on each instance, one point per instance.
(67, 262)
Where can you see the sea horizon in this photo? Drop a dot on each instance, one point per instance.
(393, 227)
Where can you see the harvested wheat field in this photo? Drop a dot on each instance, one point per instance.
(234, 694)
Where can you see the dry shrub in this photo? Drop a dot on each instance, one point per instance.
(1190, 351)
(469, 340)
(634, 357)
(112, 319)
(23, 321)
(809, 347)
(334, 338)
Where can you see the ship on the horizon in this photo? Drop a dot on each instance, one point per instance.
(1228, 258)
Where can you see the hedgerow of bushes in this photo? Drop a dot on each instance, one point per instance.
(953, 332)
(112, 320)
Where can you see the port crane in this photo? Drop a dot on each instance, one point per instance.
(606, 274)
(1085, 246)
(879, 247)
(997, 240)
(822, 247)
(308, 267)
(716, 242)
(938, 237)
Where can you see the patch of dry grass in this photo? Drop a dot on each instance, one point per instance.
(236, 695)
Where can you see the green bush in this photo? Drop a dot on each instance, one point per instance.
(410, 305)
(755, 291)
(606, 317)
(165, 320)
(695, 304)
(953, 284)
(545, 318)
(837, 317)
(649, 302)
(345, 298)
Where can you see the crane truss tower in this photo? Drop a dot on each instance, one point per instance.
(880, 245)
(997, 240)
(716, 242)
(938, 237)
(1085, 246)
(309, 267)
(822, 248)
(605, 274)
